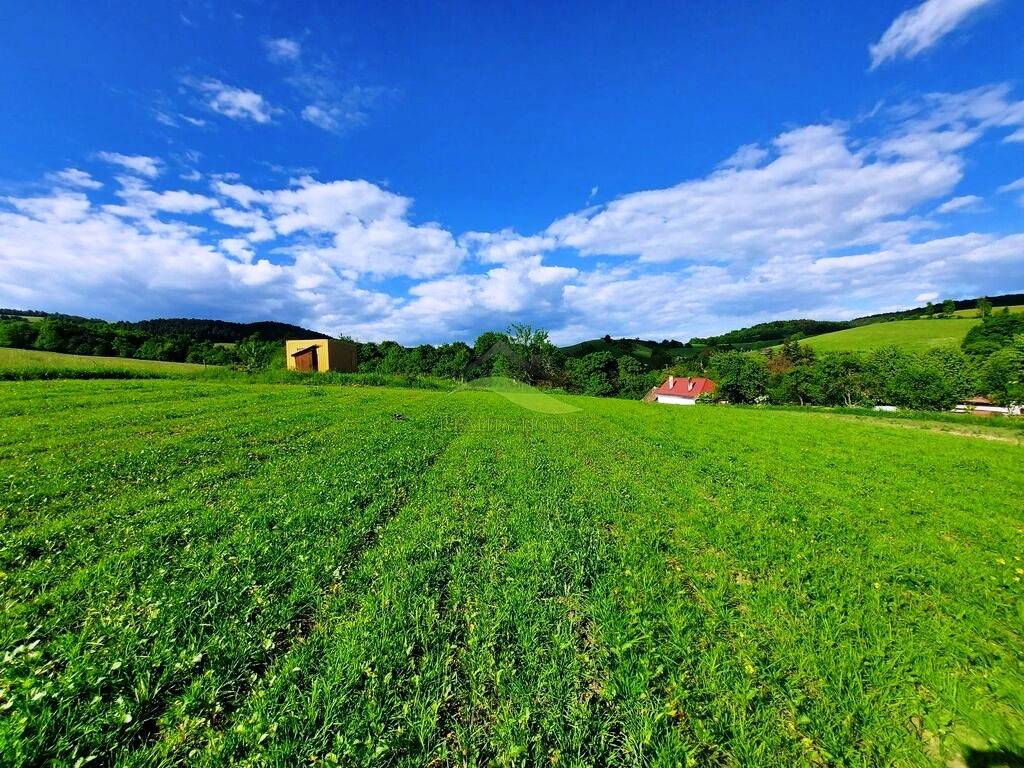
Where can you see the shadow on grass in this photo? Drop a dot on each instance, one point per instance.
(523, 395)
(996, 758)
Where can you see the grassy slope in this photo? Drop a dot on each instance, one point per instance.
(20, 360)
(977, 313)
(190, 572)
(915, 335)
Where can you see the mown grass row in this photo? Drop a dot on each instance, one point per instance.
(478, 583)
(196, 593)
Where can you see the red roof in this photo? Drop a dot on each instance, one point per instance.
(680, 386)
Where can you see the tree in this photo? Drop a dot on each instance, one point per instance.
(53, 333)
(208, 353)
(929, 310)
(797, 385)
(485, 341)
(933, 381)
(838, 379)
(984, 306)
(394, 358)
(451, 360)
(17, 333)
(487, 346)
(593, 374)
(632, 380)
(533, 355)
(1003, 374)
(993, 333)
(959, 370)
(948, 308)
(256, 355)
(741, 377)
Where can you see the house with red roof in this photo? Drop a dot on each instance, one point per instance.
(680, 390)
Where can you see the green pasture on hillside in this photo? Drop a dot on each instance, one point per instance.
(911, 335)
(204, 574)
(34, 363)
(977, 312)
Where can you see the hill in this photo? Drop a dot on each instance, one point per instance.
(192, 575)
(830, 333)
(772, 332)
(224, 331)
(36, 364)
(912, 335)
(975, 312)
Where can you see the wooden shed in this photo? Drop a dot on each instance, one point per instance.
(320, 355)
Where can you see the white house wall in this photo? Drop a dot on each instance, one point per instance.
(676, 400)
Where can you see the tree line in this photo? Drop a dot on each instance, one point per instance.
(521, 352)
(178, 340)
(80, 336)
(990, 362)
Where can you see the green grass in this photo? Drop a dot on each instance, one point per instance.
(977, 313)
(36, 364)
(29, 364)
(197, 573)
(912, 335)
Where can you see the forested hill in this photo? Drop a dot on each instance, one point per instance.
(214, 331)
(210, 342)
(1005, 300)
(771, 333)
(224, 331)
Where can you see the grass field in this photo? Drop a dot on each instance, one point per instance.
(207, 573)
(913, 335)
(33, 363)
(977, 312)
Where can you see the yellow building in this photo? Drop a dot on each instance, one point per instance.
(320, 355)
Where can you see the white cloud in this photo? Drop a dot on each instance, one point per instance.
(237, 247)
(165, 118)
(817, 193)
(1013, 186)
(920, 28)
(505, 246)
(461, 305)
(283, 49)
(962, 203)
(63, 254)
(337, 112)
(926, 297)
(236, 103)
(143, 165)
(141, 201)
(355, 226)
(321, 117)
(73, 177)
(747, 156)
(831, 221)
(257, 224)
(328, 206)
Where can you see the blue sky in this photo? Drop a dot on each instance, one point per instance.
(427, 171)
